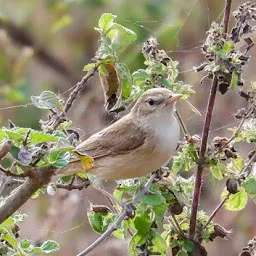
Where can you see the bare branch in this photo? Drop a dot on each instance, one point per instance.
(177, 224)
(72, 97)
(216, 210)
(118, 221)
(182, 124)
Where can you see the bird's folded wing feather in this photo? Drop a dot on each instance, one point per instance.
(119, 138)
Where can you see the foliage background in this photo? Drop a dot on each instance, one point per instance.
(65, 30)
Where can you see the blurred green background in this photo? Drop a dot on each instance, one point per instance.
(44, 45)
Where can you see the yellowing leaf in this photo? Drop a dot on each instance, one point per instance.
(235, 202)
(86, 161)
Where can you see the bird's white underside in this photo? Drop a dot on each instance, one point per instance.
(156, 152)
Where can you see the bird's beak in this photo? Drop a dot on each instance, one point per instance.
(173, 98)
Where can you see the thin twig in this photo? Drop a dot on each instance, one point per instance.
(178, 226)
(239, 128)
(181, 122)
(118, 221)
(203, 146)
(246, 168)
(216, 210)
(72, 97)
(73, 186)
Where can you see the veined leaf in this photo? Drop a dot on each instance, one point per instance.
(47, 100)
(235, 202)
(250, 186)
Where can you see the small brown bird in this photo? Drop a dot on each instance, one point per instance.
(139, 143)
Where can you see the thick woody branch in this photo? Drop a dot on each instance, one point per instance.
(205, 133)
(118, 221)
(24, 192)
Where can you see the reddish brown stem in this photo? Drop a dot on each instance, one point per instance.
(206, 128)
(199, 174)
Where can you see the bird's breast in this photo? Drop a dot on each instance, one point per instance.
(156, 151)
(167, 135)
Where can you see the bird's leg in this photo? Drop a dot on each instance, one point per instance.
(97, 184)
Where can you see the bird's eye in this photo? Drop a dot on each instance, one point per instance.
(151, 102)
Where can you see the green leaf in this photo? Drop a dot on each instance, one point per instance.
(126, 79)
(235, 202)
(58, 158)
(139, 78)
(250, 186)
(137, 239)
(100, 221)
(89, 67)
(234, 80)
(82, 175)
(118, 233)
(9, 238)
(106, 21)
(65, 179)
(142, 223)
(24, 244)
(153, 199)
(3, 135)
(159, 212)
(39, 137)
(228, 46)
(216, 172)
(238, 163)
(50, 246)
(103, 71)
(121, 37)
(15, 137)
(182, 253)
(38, 192)
(47, 100)
(7, 223)
(188, 245)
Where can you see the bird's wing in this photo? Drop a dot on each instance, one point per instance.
(120, 137)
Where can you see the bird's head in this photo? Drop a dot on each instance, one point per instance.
(155, 104)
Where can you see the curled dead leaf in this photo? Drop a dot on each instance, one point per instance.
(111, 85)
